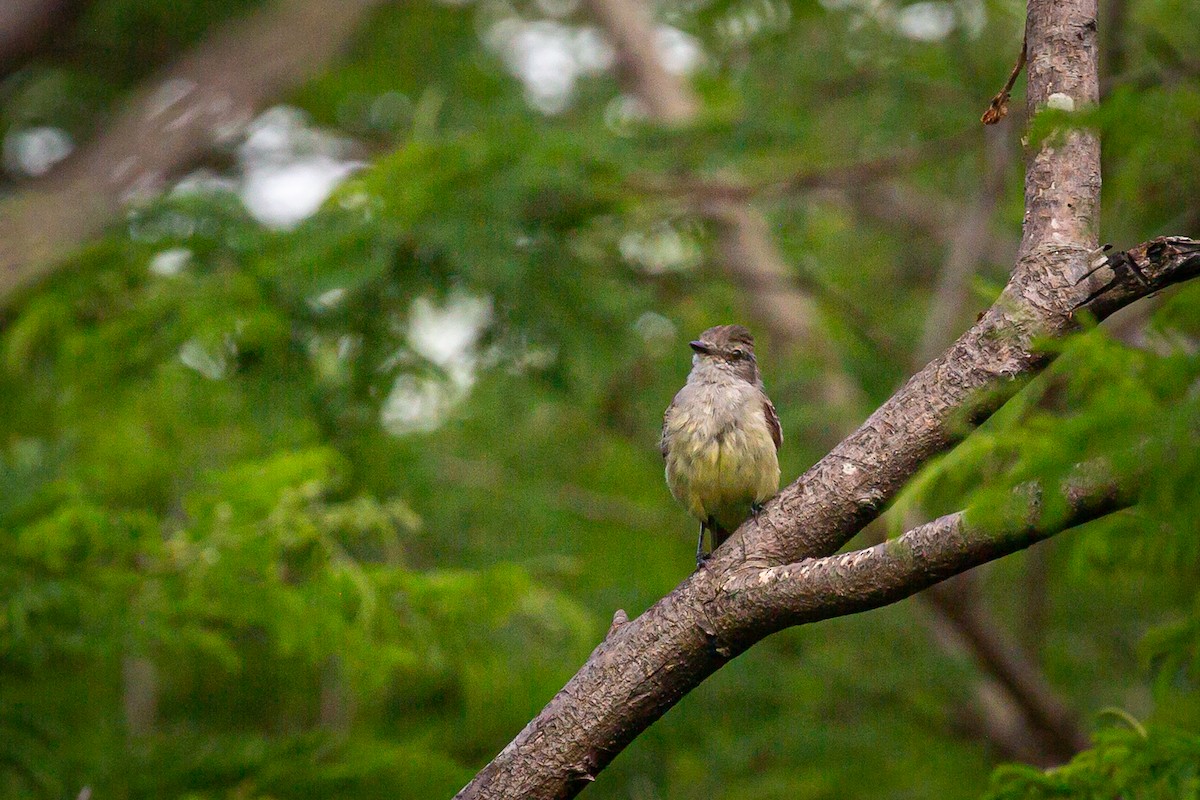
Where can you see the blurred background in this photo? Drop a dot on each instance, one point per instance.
(335, 337)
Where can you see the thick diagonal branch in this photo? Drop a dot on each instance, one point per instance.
(648, 663)
(779, 301)
(711, 618)
(205, 98)
(639, 67)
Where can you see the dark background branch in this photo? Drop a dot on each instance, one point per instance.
(209, 95)
(28, 25)
(748, 253)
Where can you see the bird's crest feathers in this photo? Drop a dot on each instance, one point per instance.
(725, 337)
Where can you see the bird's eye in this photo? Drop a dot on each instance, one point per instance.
(739, 353)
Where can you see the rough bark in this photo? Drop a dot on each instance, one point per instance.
(1051, 282)
(648, 663)
(204, 99)
(821, 588)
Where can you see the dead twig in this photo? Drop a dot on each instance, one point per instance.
(998, 108)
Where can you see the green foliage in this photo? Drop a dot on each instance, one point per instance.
(1162, 764)
(1126, 410)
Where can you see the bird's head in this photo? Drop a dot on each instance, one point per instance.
(728, 348)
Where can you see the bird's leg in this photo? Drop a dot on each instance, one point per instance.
(701, 556)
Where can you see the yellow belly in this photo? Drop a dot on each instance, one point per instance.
(722, 477)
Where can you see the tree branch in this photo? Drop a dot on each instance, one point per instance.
(995, 717)
(1051, 731)
(665, 97)
(647, 664)
(25, 24)
(828, 176)
(206, 97)
(998, 108)
(790, 315)
(864, 185)
(1042, 722)
(1052, 281)
(822, 588)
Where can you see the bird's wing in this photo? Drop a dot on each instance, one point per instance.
(662, 440)
(772, 422)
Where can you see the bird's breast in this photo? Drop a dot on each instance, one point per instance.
(719, 450)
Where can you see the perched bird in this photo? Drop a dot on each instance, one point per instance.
(721, 436)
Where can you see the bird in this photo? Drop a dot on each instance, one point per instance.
(721, 436)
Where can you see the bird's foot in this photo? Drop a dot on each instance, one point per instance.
(755, 510)
(701, 560)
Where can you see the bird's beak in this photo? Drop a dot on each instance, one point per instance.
(700, 347)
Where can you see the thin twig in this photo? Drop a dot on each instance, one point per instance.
(854, 173)
(998, 108)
